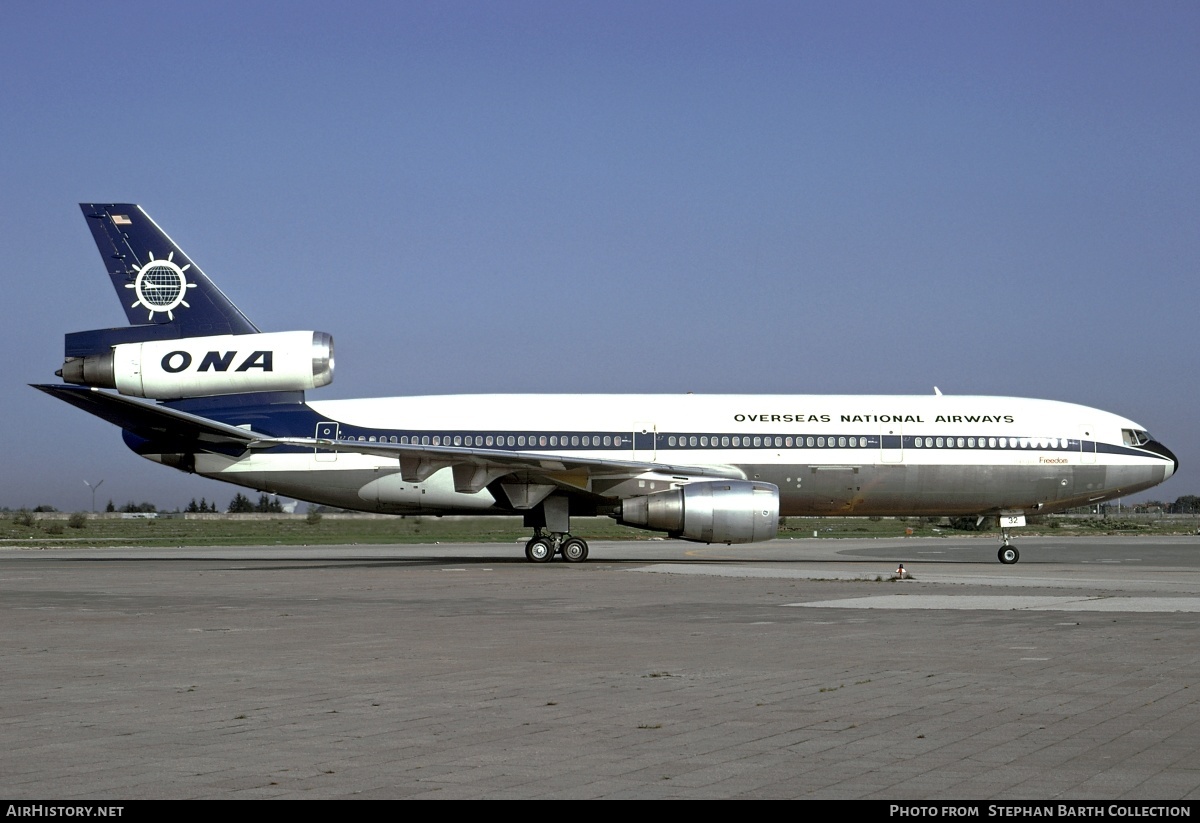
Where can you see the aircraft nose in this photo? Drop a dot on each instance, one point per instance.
(1165, 453)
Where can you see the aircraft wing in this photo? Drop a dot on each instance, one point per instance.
(499, 458)
(529, 473)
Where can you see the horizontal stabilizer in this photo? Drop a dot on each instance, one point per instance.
(152, 422)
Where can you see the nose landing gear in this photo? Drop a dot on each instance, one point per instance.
(1008, 553)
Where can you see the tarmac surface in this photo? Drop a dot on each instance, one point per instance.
(658, 669)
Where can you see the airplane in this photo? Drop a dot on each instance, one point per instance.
(195, 385)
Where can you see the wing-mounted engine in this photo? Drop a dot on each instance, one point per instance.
(725, 511)
(204, 366)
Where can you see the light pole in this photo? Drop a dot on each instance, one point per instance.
(93, 488)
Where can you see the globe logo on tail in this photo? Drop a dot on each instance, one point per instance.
(160, 286)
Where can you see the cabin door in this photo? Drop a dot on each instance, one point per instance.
(1087, 443)
(891, 443)
(326, 430)
(645, 441)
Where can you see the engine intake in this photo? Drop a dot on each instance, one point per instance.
(204, 366)
(727, 511)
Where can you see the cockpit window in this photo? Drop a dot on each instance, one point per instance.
(1135, 437)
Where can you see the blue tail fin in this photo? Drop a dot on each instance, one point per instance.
(156, 282)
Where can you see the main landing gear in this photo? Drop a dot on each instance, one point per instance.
(1008, 553)
(551, 522)
(542, 547)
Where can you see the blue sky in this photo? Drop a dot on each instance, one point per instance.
(760, 197)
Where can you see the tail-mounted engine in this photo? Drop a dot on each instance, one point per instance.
(726, 511)
(204, 366)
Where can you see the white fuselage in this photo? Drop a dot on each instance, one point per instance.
(851, 454)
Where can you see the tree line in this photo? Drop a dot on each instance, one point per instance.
(1187, 504)
(240, 504)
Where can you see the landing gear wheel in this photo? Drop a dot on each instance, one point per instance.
(574, 550)
(539, 550)
(1009, 555)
